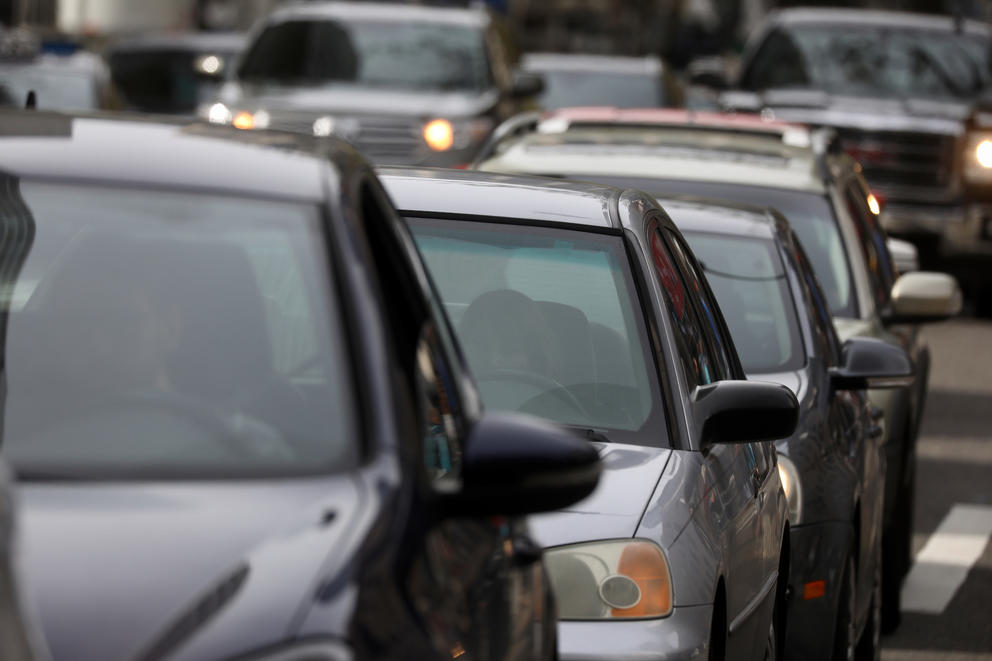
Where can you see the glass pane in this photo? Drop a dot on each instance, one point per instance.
(156, 333)
(547, 319)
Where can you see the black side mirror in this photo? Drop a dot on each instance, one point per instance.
(745, 412)
(526, 84)
(519, 465)
(871, 363)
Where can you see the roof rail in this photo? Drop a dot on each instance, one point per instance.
(525, 122)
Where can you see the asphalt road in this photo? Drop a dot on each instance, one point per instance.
(954, 473)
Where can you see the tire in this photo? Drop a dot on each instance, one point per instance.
(718, 635)
(870, 644)
(846, 634)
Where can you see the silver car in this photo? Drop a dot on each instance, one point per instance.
(17, 641)
(582, 304)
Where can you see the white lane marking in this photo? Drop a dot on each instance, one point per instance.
(943, 563)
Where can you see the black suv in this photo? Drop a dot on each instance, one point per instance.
(903, 92)
(404, 84)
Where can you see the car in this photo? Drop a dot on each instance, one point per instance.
(582, 304)
(833, 466)
(405, 84)
(907, 94)
(596, 80)
(61, 75)
(820, 189)
(172, 73)
(240, 423)
(18, 642)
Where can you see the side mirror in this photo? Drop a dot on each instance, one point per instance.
(520, 465)
(871, 363)
(526, 84)
(924, 296)
(904, 254)
(745, 412)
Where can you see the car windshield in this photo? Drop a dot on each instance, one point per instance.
(563, 89)
(389, 54)
(748, 279)
(55, 88)
(549, 323)
(887, 61)
(809, 213)
(162, 334)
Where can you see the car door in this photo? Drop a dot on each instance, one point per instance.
(476, 583)
(728, 467)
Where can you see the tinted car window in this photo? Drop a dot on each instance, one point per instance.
(166, 334)
(548, 321)
(748, 278)
(413, 55)
(823, 329)
(778, 63)
(698, 365)
(879, 61)
(810, 214)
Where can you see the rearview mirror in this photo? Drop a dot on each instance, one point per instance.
(871, 363)
(526, 84)
(924, 296)
(515, 464)
(745, 412)
(904, 254)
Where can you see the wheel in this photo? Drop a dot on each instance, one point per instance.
(869, 646)
(845, 636)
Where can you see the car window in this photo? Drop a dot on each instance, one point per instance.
(823, 329)
(565, 88)
(698, 365)
(778, 63)
(706, 309)
(160, 334)
(871, 241)
(382, 54)
(548, 321)
(749, 280)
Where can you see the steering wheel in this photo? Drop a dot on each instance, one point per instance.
(545, 383)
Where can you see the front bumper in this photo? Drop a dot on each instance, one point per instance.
(818, 554)
(682, 635)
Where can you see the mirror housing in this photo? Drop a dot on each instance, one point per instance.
(745, 412)
(868, 362)
(516, 464)
(904, 254)
(923, 296)
(526, 84)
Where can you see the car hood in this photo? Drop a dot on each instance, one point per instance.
(356, 100)
(218, 568)
(614, 509)
(865, 113)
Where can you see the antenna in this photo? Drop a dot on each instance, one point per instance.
(32, 101)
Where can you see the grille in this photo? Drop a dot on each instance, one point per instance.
(381, 139)
(920, 164)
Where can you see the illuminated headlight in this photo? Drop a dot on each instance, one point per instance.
(307, 651)
(978, 157)
(607, 580)
(793, 488)
(210, 65)
(218, 113)
(443, 134)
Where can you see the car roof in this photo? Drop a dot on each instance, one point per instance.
(742, 149)
(578, 62)
(692, 214)
(382, 11)
(874, 18)
(474, 193)
(161, 153)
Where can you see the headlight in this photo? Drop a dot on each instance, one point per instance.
(318, 650)
(978, 158)
(610, 580)
(217, 113)
(443, 134)
(793, 489)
